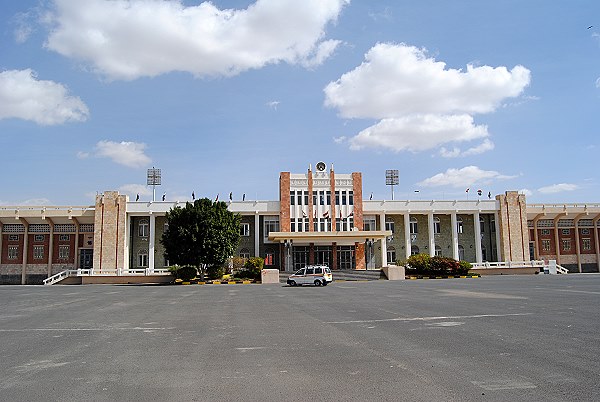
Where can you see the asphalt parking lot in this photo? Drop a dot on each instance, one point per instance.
(492, 338)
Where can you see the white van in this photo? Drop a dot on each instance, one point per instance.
(311, 274)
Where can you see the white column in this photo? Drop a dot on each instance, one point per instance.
(256, 234)
(407, 242)
(151, 242)
(454, 223)
(497, 228)
(127, 243)
(478, 256)
(384, 261)
(431, 234)
(50, 246)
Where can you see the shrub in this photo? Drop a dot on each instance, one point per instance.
(254, 264)
(419, 264)
(444, 266)
(186, 273)
(464, 267)
(215, 272)
(238, 263)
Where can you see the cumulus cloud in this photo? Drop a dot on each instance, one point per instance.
(526, 192)
(130, 154)
(134, 189)
(24, 96)
(418, 132)
(464, 177)
(455, 152)
(128, 39)
(558, 188)
(406, 90)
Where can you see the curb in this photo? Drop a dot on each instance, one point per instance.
(444, 277)
(197, 282)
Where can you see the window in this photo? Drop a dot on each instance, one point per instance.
(337, 198)
(414, 250)
(310, 271)
(314, 198)
(328, 193)
(38, 252)
(269, 259)
(438, 251)
(585, 232)
(459, 225)
(38, 238)
(166, 226)
(545, 244)
(351, 224)
(389, 225)
(566, 244)
(369, 224)
(343, 198)
(436, 226)
(338, 224)
(587, 244)
(305, 197)
(318, 270)
(299, 195)
(566, 232)
(244, 229)
(244, 253)
(391, 255)
(292, 197)
(64, 237)
(545, 232)
(321, 198)
(143, 258)
(483, 253)
(271, 224)
(493, 224)
(351, 198)
(143, 228)
(63, 252)
(13, 252)
(292, 226)
(481, 224)
(13, 237)
(414, 229)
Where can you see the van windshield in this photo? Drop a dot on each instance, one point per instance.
(327, 270)
(300, 272)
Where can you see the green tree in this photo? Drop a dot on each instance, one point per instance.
(201, 234)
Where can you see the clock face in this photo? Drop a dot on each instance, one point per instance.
(321, 166)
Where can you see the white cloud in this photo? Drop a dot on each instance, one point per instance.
(83, 155)
(408, 91)
(598, 82)
(24, 96)
(29, 202)
(464, 177)
(418, 132)
(131, 39)
(526, 191)
(455, 152)
(273, 104)
(339, 140)
(558, 188)
(134, 189)
(125, 153)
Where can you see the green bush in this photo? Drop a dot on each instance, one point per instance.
(423, 264)
(186, 273)
(215, 272)
(464, 267)
(254, 264)
(418, 264)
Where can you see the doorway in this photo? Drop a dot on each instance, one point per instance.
(86, 258)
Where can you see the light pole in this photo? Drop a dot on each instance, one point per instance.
(154, 179)
(392, 179)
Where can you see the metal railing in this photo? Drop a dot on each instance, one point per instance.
(105, 272)
(509, 264)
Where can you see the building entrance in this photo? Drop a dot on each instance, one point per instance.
(323, 255)
(86, 258)
(300, 256)
(345, 257)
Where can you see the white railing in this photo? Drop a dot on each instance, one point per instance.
(105, 272)
(561, 270)
(509, 264)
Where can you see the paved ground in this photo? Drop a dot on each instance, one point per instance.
(496, 338)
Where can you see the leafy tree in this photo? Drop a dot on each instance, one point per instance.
(201, 234)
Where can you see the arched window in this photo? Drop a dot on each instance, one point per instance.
(483, 253)
(414, 250)
(143, 258)
(436, 225)
(438, 251)
(143, 228)
(391, 255)
(461, 253)
(414, 229)
(459, 224)
(481, 224)
(245, 253)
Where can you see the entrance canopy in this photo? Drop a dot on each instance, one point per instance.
(326, 238)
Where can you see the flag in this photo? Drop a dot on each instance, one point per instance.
(371, 197)
(351, 214)
(244, 197)
(479, 192)
(326, 214)
(217, 199)
(164, 196)
(303, 214)
(230, 196)
(315, 214)
(193, 196)
(467, 190)
(489, 194)
(341, 213)
(137, 197)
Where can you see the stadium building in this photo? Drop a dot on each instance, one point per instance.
(320, 217)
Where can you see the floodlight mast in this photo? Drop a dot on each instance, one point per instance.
(154, 179)
(392, 179)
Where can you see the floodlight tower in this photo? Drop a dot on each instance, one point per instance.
(153, 180)
(392, 179)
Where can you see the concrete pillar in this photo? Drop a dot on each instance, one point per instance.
(454, 223)
(25, 249)
(556, 238)
(577, 247)
(1, 236)
(498, 246)
(384, 261)
(431, 234)
(50, 246)
(536, 247)
(151, 241)
(478, 256)
(256, 234)
(359, 255)
(76, 251)
(334, 264)
(596, 242)
(128, 246)
(407, 242)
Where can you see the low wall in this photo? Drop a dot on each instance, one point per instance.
(394, 273)
(505, 271)
(118, 280)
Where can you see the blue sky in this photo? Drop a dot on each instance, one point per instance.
(223, 96)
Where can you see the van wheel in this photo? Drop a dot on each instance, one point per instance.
(317, 283)
(324, 283)
(292, 283)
